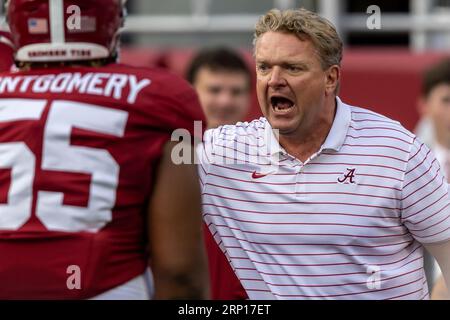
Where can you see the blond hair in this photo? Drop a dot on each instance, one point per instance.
(302, 22)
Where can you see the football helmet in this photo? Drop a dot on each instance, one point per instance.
(5, 39)
(6, 51)
(65, 30)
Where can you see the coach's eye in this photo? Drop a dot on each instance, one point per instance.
(262, 67)
(294, 69)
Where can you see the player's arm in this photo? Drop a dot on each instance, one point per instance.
(177, 250)
(441, 252)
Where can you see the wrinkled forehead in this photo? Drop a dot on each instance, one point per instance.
(274, 46)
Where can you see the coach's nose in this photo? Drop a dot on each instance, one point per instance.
(276, 78)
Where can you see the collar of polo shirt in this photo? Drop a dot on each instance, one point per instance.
(335, 137)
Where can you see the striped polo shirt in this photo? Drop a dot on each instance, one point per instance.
(348, 223)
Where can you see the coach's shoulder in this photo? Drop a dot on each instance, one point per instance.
(241, 131)
(364, 121)
(365, 115)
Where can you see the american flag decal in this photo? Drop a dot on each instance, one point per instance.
(37, 26)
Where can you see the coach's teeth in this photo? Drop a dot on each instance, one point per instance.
(278, 109)
(281, 104)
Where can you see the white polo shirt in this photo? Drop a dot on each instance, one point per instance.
(441, 155)
(348, 223)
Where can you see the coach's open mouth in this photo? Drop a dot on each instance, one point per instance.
(281, 104)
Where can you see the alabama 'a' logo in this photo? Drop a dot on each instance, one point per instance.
(348, 177)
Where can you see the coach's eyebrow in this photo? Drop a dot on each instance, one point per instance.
(262, 62)
(297, 64)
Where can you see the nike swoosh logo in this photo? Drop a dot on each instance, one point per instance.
(256, 175)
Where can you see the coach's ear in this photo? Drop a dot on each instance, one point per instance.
(333, 76)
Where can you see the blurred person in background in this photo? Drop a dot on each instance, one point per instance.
(434, 106)
(222, 80)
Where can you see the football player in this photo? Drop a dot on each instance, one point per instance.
(6, 51)
(89, 193)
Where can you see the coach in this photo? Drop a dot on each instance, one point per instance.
(320, 199)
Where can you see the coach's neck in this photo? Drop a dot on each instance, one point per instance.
(312, 133)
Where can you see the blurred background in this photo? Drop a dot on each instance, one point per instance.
(381, 67)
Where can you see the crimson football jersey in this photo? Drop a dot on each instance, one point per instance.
(79, 147)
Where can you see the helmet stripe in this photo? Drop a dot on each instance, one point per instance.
(57, 25)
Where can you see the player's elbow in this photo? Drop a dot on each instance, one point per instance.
(181, 284)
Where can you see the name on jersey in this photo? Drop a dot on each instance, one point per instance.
(113, 85)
